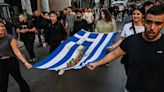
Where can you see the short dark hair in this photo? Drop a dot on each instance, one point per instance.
(147, 3)
(160, 2)
(65, 8)
(2, 22)
(156, 10)
(141, 9)
(53, 12)
(45, 13)
(69, 7)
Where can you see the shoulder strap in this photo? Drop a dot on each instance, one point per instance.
(134, 30)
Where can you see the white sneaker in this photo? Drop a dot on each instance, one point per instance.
(61, 72)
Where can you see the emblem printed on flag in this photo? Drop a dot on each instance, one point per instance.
(79, 50)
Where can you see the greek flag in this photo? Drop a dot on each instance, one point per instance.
(78, 51)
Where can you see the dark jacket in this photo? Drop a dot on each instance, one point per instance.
(55, 33)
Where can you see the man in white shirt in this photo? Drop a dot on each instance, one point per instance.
(88, 16)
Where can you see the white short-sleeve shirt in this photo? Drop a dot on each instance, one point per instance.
(127, 30)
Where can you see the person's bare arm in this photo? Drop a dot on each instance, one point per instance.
(17, 52)
(66, 25)
(108, 58)
(116, 44)
(20, 30)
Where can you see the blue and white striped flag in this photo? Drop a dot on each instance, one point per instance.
(79, 50)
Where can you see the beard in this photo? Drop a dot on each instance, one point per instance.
(150, 35)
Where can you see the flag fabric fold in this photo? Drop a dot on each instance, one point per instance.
(78, 51)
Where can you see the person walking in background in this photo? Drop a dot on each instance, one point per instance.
(121, 9)
(126, 17)
(145, 55)
(105, 24)
(9, 52)
(44, 24)
(158, 2)
(55, 32)
(79, 23)
(134, 27)
(89, 17)
(63, 16)
(116, 11)
(147, 5)
(36, 19)
(69, 22)
(27, 32)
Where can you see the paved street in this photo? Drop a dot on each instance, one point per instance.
(103, 79)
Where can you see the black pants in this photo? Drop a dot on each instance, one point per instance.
(90, 27)
(29, 45)
(11, 66)
(54, 46)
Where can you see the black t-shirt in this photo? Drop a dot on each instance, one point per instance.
(146, 64)
(27, 35)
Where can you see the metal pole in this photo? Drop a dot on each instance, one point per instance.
(45, 6)
(23, 6)
(28, 7)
